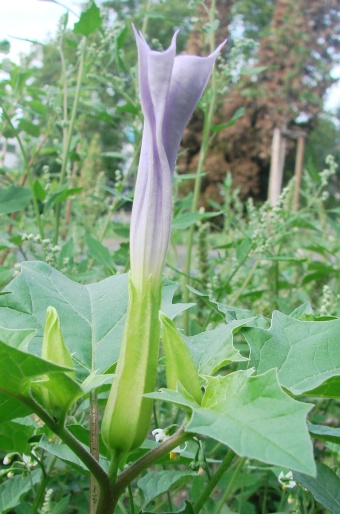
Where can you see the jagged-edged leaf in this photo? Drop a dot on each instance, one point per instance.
(231, 313)
(172, 309)
(253, 416)
(213, 349)
(90, 20)
(305, 353)
(91, 316)
(155, 483)
(325, 487)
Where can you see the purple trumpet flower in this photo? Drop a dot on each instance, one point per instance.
(169, 87)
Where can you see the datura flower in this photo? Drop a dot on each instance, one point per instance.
(169, 89)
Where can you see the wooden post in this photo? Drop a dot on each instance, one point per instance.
(298, 170)
(276, 166)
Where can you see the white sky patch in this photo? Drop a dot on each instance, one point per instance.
(32, 19)
(333, 93)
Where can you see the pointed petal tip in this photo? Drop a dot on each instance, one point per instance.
(219, 48)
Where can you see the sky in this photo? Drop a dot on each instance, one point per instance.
(31, 19)
(37, 19)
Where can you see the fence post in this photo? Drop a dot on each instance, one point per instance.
(298, 170)
(276, 166)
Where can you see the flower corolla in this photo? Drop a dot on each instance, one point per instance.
(286, 480)
(169, 87)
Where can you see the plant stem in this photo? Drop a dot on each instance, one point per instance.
(39, 495)
(65, 435)
(230, 486)
(132, 505)
(146, 16)
(198, 180)
(28, 172)
(68, 134)
(213, 482)
(132, 472)
(94, 448)
(42, 486)
(246, 281)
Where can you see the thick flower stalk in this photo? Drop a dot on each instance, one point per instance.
(169, 89)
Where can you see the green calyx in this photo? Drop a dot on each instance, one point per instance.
(53, 347)
(54, 398)
(179, 364)
(128, 413)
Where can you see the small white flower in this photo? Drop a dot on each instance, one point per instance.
(160, 435)
(286, 480)
(7, 460)
(174, 454)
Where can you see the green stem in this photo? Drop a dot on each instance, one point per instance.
(132, 505)
(146, 17)
(65, 435)
(116, 201)
(230, 486)
(213, 482)
(68, 134)
(198, 180)
(39, 495)
(132, 472)
(94, 448)
(246, 282)
(42, 486)
(28, 171)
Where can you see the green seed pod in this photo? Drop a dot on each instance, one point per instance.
(179, 363)
(127, 415)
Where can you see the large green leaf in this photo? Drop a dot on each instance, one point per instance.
(91, 316)
(22, 372)
(213, 349)
(325, 487)
(231, 313)
(11, 408)
(12, 490)
(14, 436)
(14, 199)
(18, 369)
(64, 453)
(253, 416)
(155, 483)
(305, 353)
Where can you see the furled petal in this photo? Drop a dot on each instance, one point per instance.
(169, 89)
